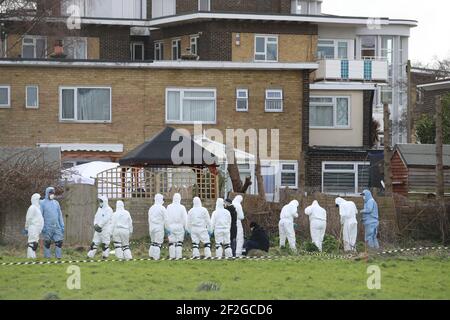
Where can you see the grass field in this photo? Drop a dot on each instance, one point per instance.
(425, 277)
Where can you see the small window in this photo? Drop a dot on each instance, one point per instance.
(75, 48)
(190, 105)
(85, 104)
(137, 51)
(176, 49)
(329, 112)
(159, 51)
(274, 101)
(289, 175)
(194, 45)
(266, 48)
(242, 100)
(5, 96)
(34, 47)
(32, 97)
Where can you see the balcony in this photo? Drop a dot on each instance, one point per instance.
(111, 9)
(352, 70)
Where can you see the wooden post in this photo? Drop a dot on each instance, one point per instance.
(387, 151)
(440, 187)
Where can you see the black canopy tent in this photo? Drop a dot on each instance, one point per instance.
(158, 152)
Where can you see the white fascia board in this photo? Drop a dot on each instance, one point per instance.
(163, 65)
(343, 86)
(101, 21)
(435, 86)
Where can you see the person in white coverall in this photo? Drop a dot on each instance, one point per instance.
(221, 225)
(176, 225)
(317, 223)
(348, 211)
(34, 224)
(286, 224)
(122, 228)
(103, 228)
(199, 226)
(157, 216)
(240, 230)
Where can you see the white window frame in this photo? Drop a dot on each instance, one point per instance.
(355, 164)
(295, 6)
(75, 120)
(335, 126)
(37, 97)
(266, 37)
(193, 40)
(295, 163)
(266, 100)
(238, 98)
(82, 39)
(336, 48)
(209, 5)
(133, 50)
(8, 105)
(182, 91)
(175, 43)
(34, 38)
(159, 45)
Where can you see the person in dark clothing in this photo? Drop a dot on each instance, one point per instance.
(258, 239)
(233, 230)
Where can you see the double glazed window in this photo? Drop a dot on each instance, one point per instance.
(34, 47)
(176, 49)
(266, 48)
(159, 51)
(345, 178)
(32, 97)
(368, 47)
(329, 112)
(75, 48)
(332, 49)
(274, 100)
(289, 175)
(85, 104)
(190, 105)
(242, 100)
(5, 96)
(137, 51)
(194, 45)
(204, 5)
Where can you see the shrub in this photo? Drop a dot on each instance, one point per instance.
(310, 247)
(330, 244)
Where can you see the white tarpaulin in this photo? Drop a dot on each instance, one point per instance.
(87, 173)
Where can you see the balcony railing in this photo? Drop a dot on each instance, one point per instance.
(353, 70)
(112, 9)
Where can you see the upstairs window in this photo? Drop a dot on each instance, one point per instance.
(204, 5)
(368, 47)
(34, 47)
(159, 51)
(332, 49)
(242, 100)
(274, 101)
(329, 112)
(190, 105)
(176, 49)
(163, 8)
(85, 104)
(5, 96)
(32, 97)
(194, 45)
(266, 48)
(137, 51)
(75, 48)
(296, 7)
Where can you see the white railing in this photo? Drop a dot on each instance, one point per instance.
(112, 9)
(357, 70)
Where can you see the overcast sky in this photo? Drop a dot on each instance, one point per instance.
(432, 36)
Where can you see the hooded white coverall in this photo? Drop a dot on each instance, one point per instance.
(221, 225)
(34, 224)
(122, 229)
(317, 223)
(240, 230)
(103, 219)
(348, 211)
(176, 224)
(199, 225)
(157, 216)
(286, 224)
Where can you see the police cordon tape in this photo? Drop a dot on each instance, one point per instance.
(305, 254)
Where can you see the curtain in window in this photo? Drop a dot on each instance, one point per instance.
(341, 183)
(93, 104)
(342, 112)
(198, 110)
(321, 116)
(68, 107)
(173, 106)
(272, 51)
(32, 95)
(3, 96)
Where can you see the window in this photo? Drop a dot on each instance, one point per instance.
(289, 175)
(137, 51)
(296, 7)
(159, 51)
(204, 5)
(32, 97)
(329, 112)
(163, 8)
(194, 45)
(274, 101)
(241, 99)
(5, 96)
(75, 48)
(176, 49)
(191, 105)
(266, 48)
(332, 49)
(345, 177)
(34, 47)
(368, 46)
(85, 104)
(387, 52)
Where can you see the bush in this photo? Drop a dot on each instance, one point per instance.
(330, 244)
(310, 247)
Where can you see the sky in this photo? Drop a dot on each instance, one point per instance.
(429, 40)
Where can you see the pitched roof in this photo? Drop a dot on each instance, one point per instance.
(158, 152)
(422, 155)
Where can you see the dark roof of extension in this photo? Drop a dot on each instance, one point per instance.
(422, 155)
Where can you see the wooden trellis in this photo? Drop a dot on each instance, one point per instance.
(131, 182)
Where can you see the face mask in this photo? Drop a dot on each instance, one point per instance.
(101, 204)
(52, 196)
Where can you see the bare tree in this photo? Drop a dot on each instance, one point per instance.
(387, 151)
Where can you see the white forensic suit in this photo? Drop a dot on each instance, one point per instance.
(221, 226)
(240, 230)
(286, 224)
(348, 211)
(122, 230)
(34, 224)
(317, 223)
(103, 223)
(199, 226)
(157, 216)
(176, 225)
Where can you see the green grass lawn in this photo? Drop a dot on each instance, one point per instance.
(304, 278)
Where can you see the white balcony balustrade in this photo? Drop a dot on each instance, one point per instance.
(353, 70)
(110, 9)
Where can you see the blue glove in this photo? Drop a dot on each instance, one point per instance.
(25, 232)
(166, 232)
